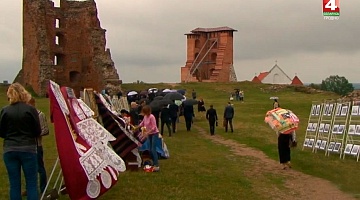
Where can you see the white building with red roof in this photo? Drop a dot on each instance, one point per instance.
(276, 76)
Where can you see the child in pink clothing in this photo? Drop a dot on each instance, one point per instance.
(152, 131)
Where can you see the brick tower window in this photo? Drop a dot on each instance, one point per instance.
(57, 23)
(56, 3)
(59, 59)
(59, 39)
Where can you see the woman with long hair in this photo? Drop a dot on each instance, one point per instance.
(20, 127)
(149, 122)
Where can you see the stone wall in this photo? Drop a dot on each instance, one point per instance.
(66, 45)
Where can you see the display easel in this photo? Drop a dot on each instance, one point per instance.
(338, 128)
(120, 104)
(352, 140)
(313, 122)
(326, 119)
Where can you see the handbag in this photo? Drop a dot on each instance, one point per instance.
(224, 122)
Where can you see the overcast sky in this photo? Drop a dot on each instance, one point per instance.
(147, 40)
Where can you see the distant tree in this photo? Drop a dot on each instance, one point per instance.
(338, 84)
(315, 86)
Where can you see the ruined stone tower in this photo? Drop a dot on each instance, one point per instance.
(209, 56)
(65, 44)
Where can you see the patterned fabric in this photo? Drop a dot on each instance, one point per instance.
(89, 166)
(43, 124)
(282, 120)
(126, 140)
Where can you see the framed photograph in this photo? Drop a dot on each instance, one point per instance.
(326, 110)
(318, 107)
(337, 147)
(330, 111)
(352, 128)
(313, 110)
(321, 128)
(309, 127)
(355, 110)
(311, 142)
(306, 142)
(323, 144)
(326, 128)
(335, 128)
(314, 126)
(338, 109)
(357, 130)
(318, 143)
(344, 110)
(355, 149)
(331, 146)
(341, 128)
(348, 148)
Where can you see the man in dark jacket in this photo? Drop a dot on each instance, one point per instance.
(211, 116)
(165, 119)
(228, 116)
(188, 115)
(174, 113)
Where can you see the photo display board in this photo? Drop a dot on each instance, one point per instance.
(324, 130)
(338, 130)
(352, 141)
(313, 125)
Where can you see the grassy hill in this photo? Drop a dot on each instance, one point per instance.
(201, 169)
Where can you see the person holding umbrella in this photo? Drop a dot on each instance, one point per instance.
(165, 119)
(174, 114)
(284, 122)
(211, 116)
(285, 141)
(188, 114)
(276, 104)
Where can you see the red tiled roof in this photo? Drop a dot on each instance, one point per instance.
(224, 28)
(262, 75)
(296, 81)
(256, 80)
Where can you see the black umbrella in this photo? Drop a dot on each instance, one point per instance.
(156, 105)
(158, 98)
(190, 102)
(174, 96)
(181, 92)
(165, 102)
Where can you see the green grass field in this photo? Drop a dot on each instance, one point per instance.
(201, 169)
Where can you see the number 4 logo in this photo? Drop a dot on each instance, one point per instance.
(331, 4)
(331, 7)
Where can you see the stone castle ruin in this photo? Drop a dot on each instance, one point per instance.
(65, 44)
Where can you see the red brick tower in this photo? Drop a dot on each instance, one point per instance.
(209, 56)
(65, 44)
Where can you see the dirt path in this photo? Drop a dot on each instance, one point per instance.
(300, 185)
